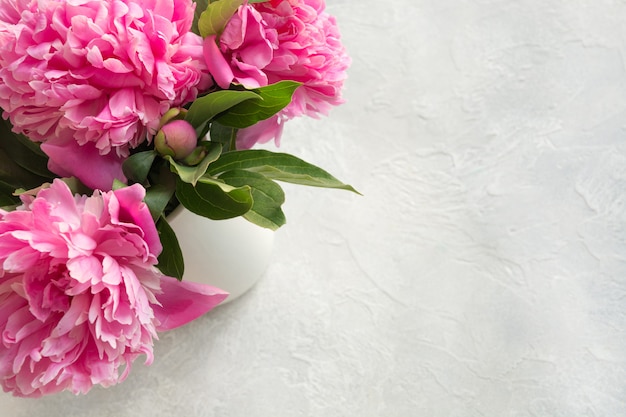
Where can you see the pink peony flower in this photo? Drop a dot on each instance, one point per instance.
(80, 296)
(264, 43)
(87, 76)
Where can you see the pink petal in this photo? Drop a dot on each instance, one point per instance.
(134, 211)
(60, 201)
(85, 269)
(261, 132)
(117, 66)
(84, 162)
(21, 260)
(76, 315)
(215, 61)
(249, 76)
(184, 301)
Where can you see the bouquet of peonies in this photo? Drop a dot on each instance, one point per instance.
(114, 113)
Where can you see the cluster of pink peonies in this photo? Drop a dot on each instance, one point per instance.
(81, 296)
(91, 79)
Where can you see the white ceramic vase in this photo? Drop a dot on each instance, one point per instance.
(229, 254)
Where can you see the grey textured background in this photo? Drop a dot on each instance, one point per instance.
(483, 272)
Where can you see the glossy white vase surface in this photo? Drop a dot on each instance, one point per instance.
(230, 254)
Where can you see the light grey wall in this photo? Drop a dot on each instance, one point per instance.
(483, 272)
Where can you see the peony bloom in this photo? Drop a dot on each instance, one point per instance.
(92, 78)
(80, 296)
(267, 42)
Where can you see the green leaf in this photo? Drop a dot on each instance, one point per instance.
(214, 199)
(137, 166)
(171, 258)
(267, 196)
(213, 20)
(77, 187)
(118, 185)
(157, 197)
(277, 166)
(6, 203)
(273, 98)
(201, 6)
(225, 135)
(23, 151)
(22, 163)
(15, 175)
(192, 174)
(205, 108)
(6, 195)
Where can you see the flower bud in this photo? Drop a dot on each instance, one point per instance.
(177, 139)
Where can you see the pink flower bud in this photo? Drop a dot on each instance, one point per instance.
(177, 139)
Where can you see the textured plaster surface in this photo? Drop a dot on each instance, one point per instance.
(483, 272)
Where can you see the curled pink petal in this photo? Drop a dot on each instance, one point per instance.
(261, 132)
(68, 158)
(217, 65)
(184, 301)
(131, 211)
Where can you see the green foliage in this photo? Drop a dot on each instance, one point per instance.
(23, 151)
(157, 199)
(240, 108)
(22, 164)
(214, 199)
(7, 199)
(137, 166)
(272, 99)
(205, 108)
(213, 20)
(201, 7)
(225, 135)
(267, 197)
(277, 166)
(191, 174)
(243, 183)
(171, 258)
